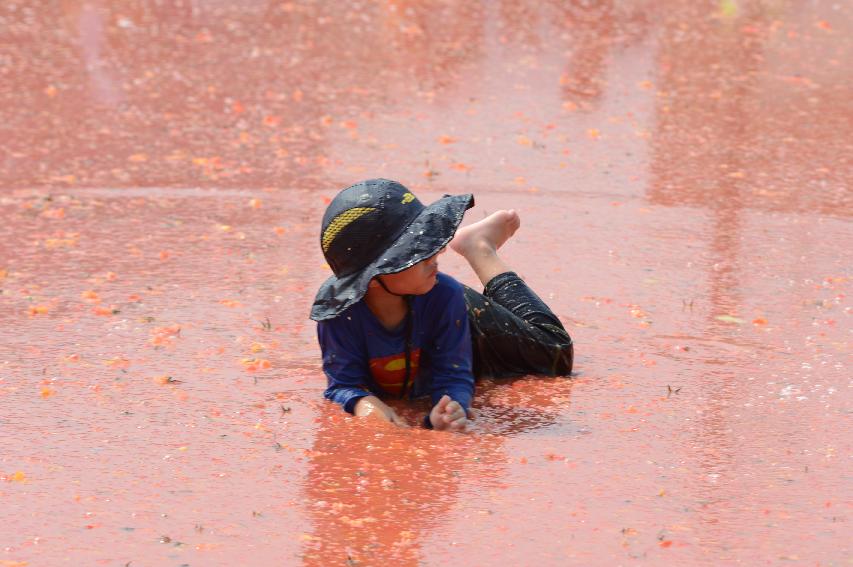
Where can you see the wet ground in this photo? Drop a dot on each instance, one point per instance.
(683, 173)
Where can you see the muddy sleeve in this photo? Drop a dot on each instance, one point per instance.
(344, 363)
(451, 353)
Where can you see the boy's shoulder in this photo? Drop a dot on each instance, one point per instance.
(351, 317)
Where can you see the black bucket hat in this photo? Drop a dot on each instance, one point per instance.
(378, 227)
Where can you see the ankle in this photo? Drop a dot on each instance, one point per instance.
(480, 247)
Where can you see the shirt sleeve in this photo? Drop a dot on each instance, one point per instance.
(452, 357)
(344, 363)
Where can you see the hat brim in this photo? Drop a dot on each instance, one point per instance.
(427, 234)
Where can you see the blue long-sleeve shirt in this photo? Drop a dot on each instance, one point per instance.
(361, 357)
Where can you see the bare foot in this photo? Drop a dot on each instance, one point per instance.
(487, 235)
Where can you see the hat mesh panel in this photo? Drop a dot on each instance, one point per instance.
(342, 221)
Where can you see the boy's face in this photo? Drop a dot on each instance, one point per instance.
(417, 280)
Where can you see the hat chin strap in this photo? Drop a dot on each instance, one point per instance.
(409, 324)
(385, 287)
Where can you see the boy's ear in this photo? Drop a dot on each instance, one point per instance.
(373, 283)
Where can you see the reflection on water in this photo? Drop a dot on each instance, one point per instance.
(376, 491)
(733, 109)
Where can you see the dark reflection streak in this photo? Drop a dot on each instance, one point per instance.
(594, 32)
(707, 117)
(591, 26)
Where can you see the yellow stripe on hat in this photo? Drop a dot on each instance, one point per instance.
(342, 221)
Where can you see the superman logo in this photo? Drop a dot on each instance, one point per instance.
(389, 372)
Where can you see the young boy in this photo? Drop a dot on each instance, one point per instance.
(391, 325)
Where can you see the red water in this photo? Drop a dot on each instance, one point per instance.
(683, 173)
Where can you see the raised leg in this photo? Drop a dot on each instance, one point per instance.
(513, 331)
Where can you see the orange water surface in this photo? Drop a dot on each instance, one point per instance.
(683, 172)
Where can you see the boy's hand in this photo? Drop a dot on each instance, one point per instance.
(374, 407)
(448, 415)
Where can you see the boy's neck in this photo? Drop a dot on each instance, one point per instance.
(389, 309)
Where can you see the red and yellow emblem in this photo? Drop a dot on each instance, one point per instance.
(389, 372)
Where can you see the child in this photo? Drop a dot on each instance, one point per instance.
(391, 325)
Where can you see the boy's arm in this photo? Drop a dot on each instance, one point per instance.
(344, 363)
(452, 357)
(345, 366)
